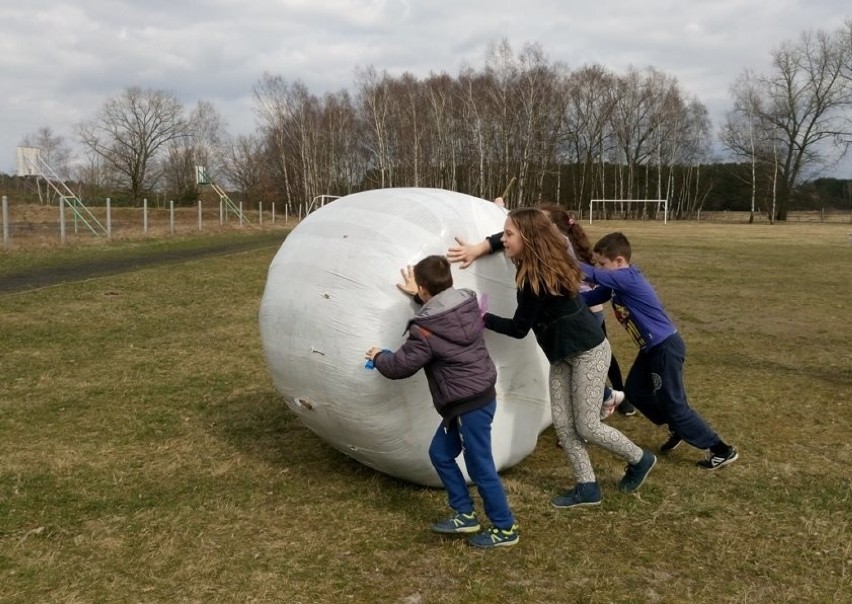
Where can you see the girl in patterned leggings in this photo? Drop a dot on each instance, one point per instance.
(549, 304)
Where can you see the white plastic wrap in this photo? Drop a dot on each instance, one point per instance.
(330, 295)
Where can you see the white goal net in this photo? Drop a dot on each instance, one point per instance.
(629, 209)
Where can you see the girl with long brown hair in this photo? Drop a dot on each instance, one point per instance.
(581, 249)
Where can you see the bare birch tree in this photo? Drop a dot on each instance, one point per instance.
(502, 70)
(442, 95)
(479, 130)
(272, 104)
(587, 129)
(202, 147)
(344, 160)
(541, 100)
(695, 153)
(800, 111)
(374, 106)
(243, 165)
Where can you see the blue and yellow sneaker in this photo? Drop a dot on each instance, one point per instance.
(495, 537)
(458, 523)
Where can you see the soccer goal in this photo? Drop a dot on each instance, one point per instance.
(619, 208)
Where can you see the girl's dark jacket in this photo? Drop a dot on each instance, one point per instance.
(563, 324)
(445, 339)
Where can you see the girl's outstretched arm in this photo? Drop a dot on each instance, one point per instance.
(466, 253)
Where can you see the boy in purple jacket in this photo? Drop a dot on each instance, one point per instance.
(655, 382)
(445, 339)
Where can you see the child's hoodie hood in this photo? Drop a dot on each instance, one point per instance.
(453, 315)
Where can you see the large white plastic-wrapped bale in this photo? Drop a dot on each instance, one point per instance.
(330, 295)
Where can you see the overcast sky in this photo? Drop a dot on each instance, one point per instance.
(61, 59)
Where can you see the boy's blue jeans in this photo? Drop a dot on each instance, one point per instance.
(655, 387)
(470, 434)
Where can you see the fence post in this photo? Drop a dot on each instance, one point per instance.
(62, 220)
(221, 214)
(109, 218)
(145, 216)
(241, 213)
(260, 213)
(199, 214)
(5, 221)
(172, 216)
(273, 212)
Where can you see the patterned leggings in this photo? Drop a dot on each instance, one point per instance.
(576, 390)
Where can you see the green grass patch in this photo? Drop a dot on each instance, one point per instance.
(145, 455)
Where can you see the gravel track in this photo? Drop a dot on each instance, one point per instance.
(38, 279)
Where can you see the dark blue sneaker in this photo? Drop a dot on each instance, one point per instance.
(495, 537)
(458, 523)
(583, 494)
(637, 472)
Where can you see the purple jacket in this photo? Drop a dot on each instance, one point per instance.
(445, 339)
(635, 302)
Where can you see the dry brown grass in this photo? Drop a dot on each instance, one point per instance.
(145, 456)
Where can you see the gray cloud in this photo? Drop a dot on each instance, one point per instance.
(61, 60)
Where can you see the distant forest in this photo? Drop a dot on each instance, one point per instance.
(726, 186)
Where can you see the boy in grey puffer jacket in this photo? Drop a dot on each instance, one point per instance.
(445, 339)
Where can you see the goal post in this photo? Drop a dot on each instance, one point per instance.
(664, 203)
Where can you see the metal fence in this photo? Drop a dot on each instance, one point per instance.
(834, 216)
(62, 223)
(66, 223)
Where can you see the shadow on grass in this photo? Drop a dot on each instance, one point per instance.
(259, 424)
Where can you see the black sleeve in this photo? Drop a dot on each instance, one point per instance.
(525, 315)
(495, 241)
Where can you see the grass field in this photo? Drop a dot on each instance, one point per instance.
(146, 457)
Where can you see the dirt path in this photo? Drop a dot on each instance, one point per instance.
(32, 280)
